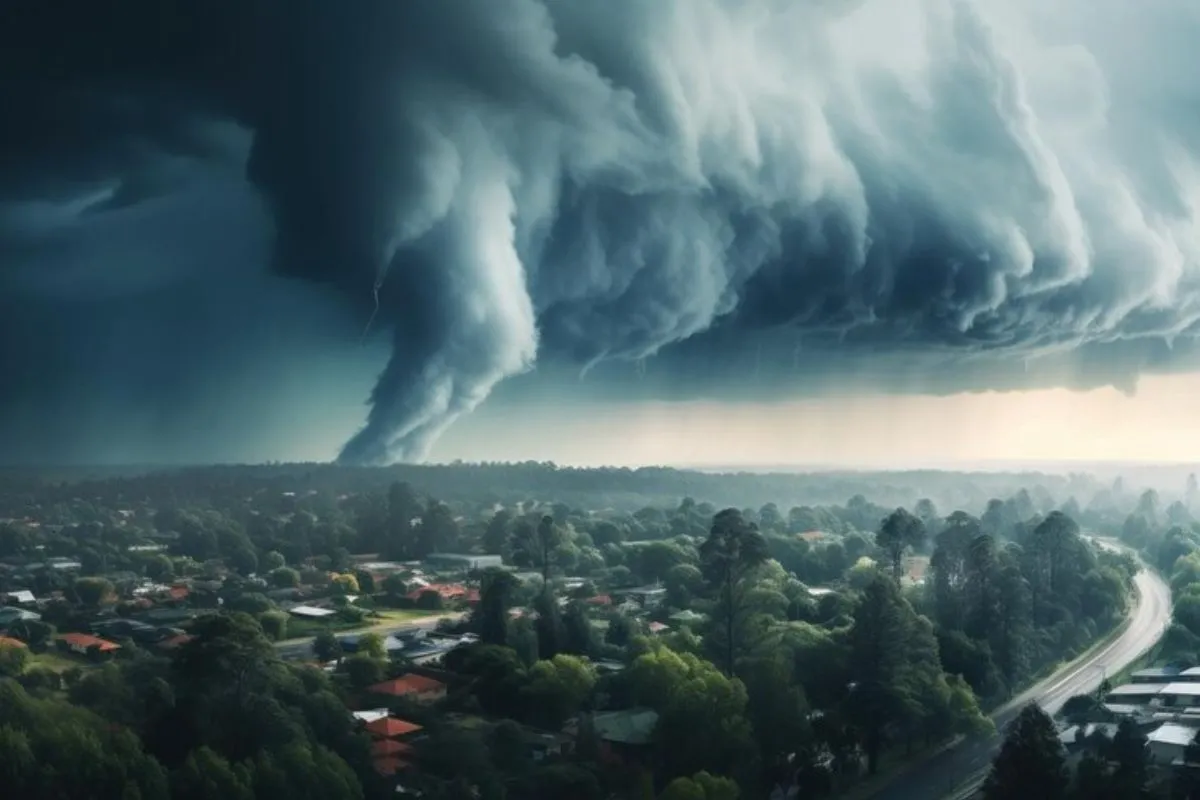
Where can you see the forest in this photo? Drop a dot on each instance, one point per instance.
(824, 645)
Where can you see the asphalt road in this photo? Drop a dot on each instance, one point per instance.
(959, 771)
(300, 649)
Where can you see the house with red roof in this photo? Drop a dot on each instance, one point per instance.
(413, 687)
(389, 753)
(8, 641)
(85, 643)
(391, 728)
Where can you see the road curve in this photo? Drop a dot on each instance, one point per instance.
(959, 771)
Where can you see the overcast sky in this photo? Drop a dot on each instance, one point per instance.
(880, 232)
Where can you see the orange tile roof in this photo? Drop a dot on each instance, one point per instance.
(8, 641)
(599, 600)
(86, 640)
(390, 727)
(389, 747)
(408, 684)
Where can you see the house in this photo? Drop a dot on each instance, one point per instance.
(1163, 675)
(391, 728)
(461, 562)
(8, 641)
(647, 596)
(657, 627)
(22, 597)
(1135, 694)
(599, 600)
(412, 686)
(370, 715)
(1168, 742)
(311, 612)
(389, 753)
(1180, 694)
(391, 643)
(85, 643)
(624, 736)
(11, 614)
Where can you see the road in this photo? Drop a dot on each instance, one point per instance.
(958, 772)
(299, 649)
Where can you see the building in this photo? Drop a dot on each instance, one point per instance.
(1163, 675)
(311, 612)
(1181, 694)
(8, 641)
(625, 736)
(1135, 694)
(413, 687)
(459, 561)
(22, 597)
(389, 752)
(10, 615)
(1168, 742)
(647, 596)
(84, 643)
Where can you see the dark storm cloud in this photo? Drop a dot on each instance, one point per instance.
(744, 196)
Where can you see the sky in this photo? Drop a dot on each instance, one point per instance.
(869, 233)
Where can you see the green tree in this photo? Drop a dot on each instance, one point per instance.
(13, 659)
(1031, 762)
(284, 578)
(579, 637)
(898, 532)
(372, 646)
(326, 646)
(1130, 758)
(701, 786)
(733, 550)
(496, 535)
(702, 721)
(206, 775)
(495, 599)
(93, 591)
(557, 688)
(274, 625)
(160, 568)
(362, 670)
(273, 560)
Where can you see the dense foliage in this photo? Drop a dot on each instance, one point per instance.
(792, 649)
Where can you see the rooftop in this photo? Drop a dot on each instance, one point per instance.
(311, 611)
(1181, 688)
(1170, 733)
(634, 726)
(1138, 689)
(408, 684)
(390, 727)
(86, 640)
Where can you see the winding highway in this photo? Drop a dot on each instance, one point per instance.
(958, 772)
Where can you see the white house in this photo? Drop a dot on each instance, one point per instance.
(1168, 742)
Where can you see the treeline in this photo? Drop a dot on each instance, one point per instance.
(618, 488)
(223, 718)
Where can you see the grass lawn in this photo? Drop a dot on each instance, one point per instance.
(303, 628)
(57, 661)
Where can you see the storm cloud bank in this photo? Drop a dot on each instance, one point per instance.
(491, 183)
